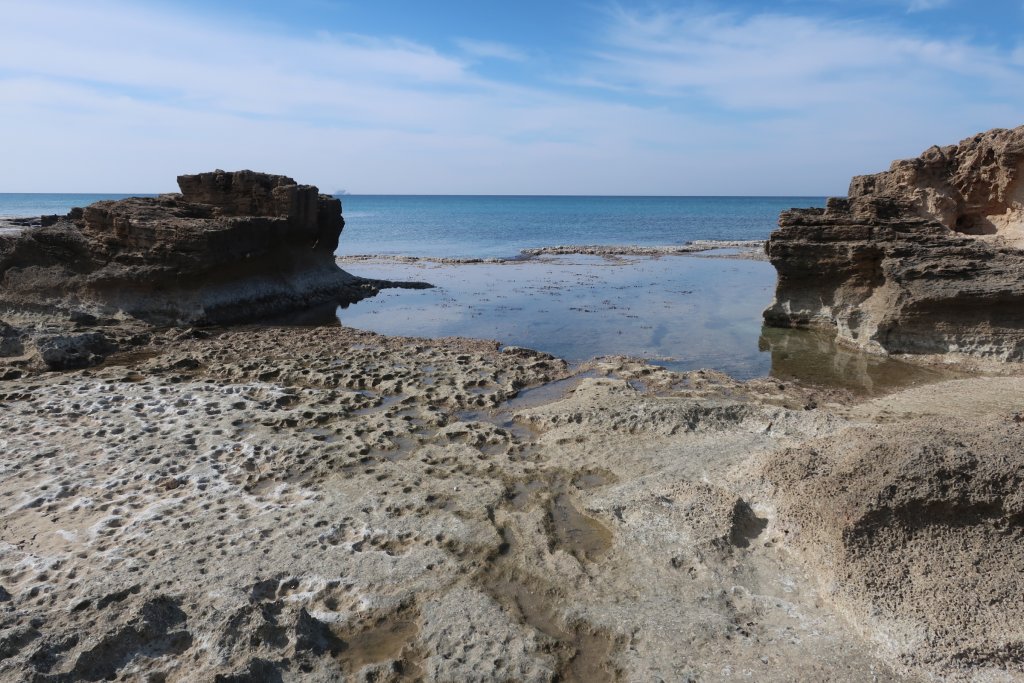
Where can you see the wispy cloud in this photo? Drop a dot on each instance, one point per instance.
(143, 94)
(486, 49)
(117, 96)
(925, 5)
(773, 61)
(179, 58)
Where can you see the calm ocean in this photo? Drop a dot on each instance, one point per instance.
(499, 226)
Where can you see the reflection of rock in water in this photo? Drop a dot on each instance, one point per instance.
(815, 358)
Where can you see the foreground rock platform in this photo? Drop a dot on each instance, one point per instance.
(321, 504)
(923, 259)
(316, 503)
(231, 247)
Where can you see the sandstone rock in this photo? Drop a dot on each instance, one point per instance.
(925, 258)
(231, 247)
(915, 531)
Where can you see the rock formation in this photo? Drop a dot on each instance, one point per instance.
(914, 531)
(232, 246)
(925, 258)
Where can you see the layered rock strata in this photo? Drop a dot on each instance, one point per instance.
(925, 258)
(232, 246)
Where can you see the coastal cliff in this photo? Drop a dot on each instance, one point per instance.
(232, 246)
(925, 258)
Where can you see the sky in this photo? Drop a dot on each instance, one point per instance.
(590, 97)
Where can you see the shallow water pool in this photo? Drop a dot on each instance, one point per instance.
(684, 312)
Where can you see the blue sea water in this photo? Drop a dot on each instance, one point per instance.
(20, 205)
(500, 226)
(685, 312)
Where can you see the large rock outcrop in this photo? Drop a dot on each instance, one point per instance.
(925, 258)
(232, 246)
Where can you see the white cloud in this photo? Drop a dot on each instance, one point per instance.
(137, 96)
(116, 97)
(925, 5)
(486, 49)
(769, 61)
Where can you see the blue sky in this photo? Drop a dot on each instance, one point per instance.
(589, 97)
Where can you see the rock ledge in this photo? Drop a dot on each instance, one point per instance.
(925, 258)
(231, 247)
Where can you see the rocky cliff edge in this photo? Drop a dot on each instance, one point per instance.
(925, 258)
(232, 246)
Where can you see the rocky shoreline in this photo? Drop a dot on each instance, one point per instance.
(231, 247)
(279, 503)
(265, 502)
(747, 249)
(738, 249)
(923, 260)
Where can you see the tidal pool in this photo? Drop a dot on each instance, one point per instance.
(683, 312)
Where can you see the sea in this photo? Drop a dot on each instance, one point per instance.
(684, 312)
(485, 226)
(500, 226)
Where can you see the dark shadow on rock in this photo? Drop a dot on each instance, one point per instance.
(258, 671)
(746, 526)
(149, 634)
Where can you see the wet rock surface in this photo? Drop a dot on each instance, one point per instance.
(923, 259)
(233, 246)
(741, 249)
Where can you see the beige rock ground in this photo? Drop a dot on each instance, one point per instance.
(278, 504)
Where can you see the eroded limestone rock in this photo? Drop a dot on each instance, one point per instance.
(925, 258)
(914, 531)
(233, 246)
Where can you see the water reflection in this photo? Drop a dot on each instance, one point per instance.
(680, 311)
(683, 312)
(814, 358)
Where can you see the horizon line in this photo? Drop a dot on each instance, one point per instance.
(417, 194)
